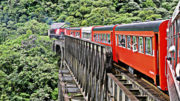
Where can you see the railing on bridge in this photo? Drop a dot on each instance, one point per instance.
(89, 62)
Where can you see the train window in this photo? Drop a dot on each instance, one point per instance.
(119, 40)
(116, 39)
(134, 43)
(148, 45)
(95, 37)
(101, 37)
(77, 34)
(129, 42)
(123, 41)
(109, 39)
(105, 39)
(140, 45)
(71, 33)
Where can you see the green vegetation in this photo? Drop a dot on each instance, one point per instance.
(28, 68)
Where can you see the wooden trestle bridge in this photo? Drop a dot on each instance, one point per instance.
(86, 74)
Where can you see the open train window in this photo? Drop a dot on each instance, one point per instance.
(104, 38)
(148, 45)
(119, 40)
(123, 41)
(129, 42)
(140, 45)
(72, 33)
(77, 34)
(134, 43)
(109, 39)
(116, 39)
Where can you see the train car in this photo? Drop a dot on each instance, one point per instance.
(173, 55)
(142, 46)
(86, 33)
(103, 34)
(75, 32)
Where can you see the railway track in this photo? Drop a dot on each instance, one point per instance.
(139, 87)
(69, 88)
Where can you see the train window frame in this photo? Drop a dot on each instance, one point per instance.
(151, 48)
(119, 40)
(134, 44)
(141, 45)
(128, 42)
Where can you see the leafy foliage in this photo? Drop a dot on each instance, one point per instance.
(28, 70)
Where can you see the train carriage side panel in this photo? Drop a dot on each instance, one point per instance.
(162, 54)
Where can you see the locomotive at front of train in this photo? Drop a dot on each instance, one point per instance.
(142, 46)
(173, 55)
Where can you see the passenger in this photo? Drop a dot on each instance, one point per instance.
(133, 46)
(123, 42)
(141, 48)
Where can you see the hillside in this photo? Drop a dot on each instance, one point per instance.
(28, 69)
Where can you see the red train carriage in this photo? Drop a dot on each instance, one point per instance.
(103, 34)
(173, 56)
(76, 32)
(142, 46)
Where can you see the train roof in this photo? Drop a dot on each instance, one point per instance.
(142, 26)
(103, 28)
